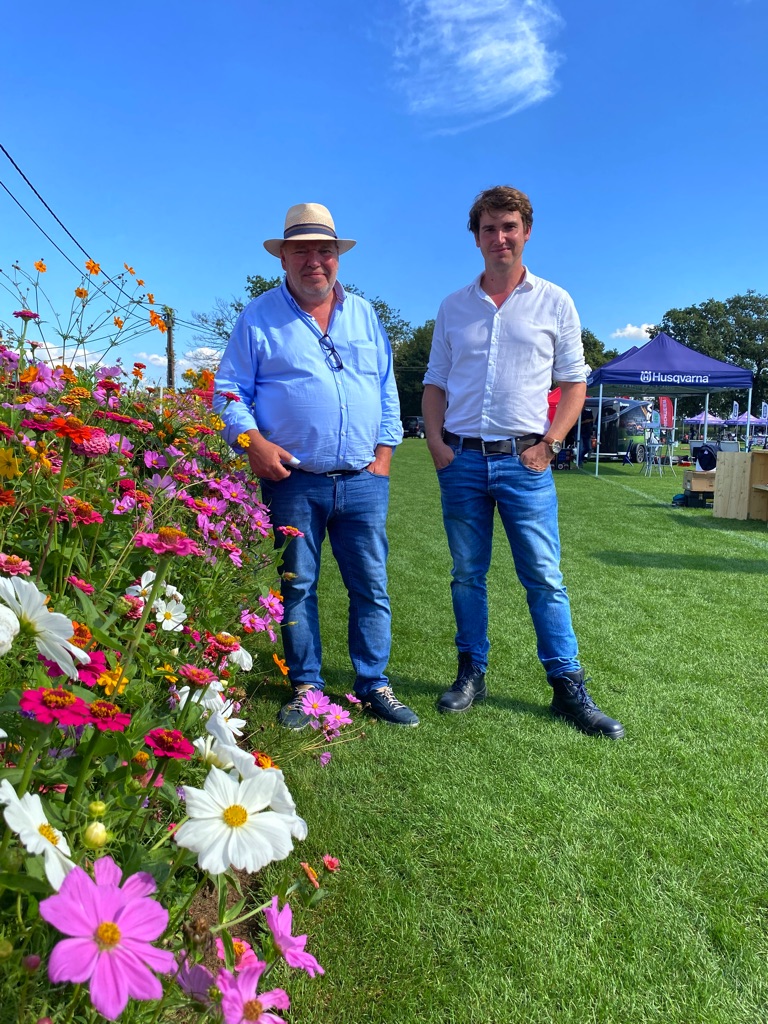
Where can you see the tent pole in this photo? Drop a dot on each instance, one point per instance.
(749, 413)
(599, 424)
(706, 414)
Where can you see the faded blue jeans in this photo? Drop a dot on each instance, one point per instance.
(352, 510)
(471, 487)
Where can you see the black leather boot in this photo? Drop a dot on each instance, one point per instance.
(572, 702)
(469, 687)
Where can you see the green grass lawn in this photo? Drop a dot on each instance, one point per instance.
(499, 866)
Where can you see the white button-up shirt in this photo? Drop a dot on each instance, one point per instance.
(496, 365)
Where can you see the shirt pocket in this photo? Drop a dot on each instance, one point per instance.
(362, 357)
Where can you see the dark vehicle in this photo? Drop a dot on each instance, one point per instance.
(622, 428)
(413, 426)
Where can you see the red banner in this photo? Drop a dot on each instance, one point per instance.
(666, 411)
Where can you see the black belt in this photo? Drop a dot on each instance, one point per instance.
(513, 446)
(331, 472)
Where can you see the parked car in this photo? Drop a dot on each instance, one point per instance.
(413, 426)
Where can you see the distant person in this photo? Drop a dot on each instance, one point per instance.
(585, 440)
(312, 369)
(497, 345)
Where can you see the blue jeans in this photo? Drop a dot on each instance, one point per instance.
(352, 510)
(471, 487)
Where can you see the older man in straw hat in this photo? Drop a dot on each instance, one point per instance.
(312, 368)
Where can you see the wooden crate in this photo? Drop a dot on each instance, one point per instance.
(698, 481)
(733, 489)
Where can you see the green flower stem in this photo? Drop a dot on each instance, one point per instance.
(148, 789)
(244, 917)
(83, 774)
(73, 1005)
(92, 555)
(167, 833)
(162, 570)
(174, 868)
(176, 923)
(29, 759)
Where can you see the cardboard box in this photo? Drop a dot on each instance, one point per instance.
(697, 481)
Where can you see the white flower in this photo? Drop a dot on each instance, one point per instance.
(228, 826)
(223, 726)
(281, 799)
(25, 817)
(52, 630)
(9, 628)
(214, 753)
(209, 697)
(144, 587)
(172, 594)
(170, 614)
(240, 657)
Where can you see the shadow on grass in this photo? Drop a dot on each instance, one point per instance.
(687, 563)
(405, 687)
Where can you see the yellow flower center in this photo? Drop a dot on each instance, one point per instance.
(239, 948)
(170, 534)
(235, 816)
(48, 832)
(58, 698)
(107, 934)
(252, 1010)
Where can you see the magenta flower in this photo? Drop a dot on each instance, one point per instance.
(154, 460)
(241, 1005)
(27, 314)
(194, 980)
(290, 947)
(15, 566)
(167, 541)
(315, 703)
(80, 584)
(335, 716)
(107, 717)
(58, 705)
(169, 743)
(244, 955)
(112, 928)
(97, 444)
(324, 758)
(331, 863)
(352, 698)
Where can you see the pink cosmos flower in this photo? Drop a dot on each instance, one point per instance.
(167, 541)
(290, 947)
(241, 1005)
(194, 980)
(54, 705)
(169, 743)
(15, 566)
(244, 955)
(290, 531)
(274, 606)
(324, 758)
(154, 460)
(352, 698)
(112, 928)
(80, 584)
(336, 716)
(331, 863)
(315, 703)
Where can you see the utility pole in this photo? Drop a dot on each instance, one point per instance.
(168, 318)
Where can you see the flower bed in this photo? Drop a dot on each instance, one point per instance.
(136, 616)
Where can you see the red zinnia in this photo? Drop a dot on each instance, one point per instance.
(27, 314)
(169, 743)
(54, 705)
(107, 717)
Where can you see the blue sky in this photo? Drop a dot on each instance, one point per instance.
(174, 136)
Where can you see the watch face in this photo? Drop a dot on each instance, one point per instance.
(556, 447)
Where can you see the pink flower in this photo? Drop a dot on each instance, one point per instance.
(331, 863)
(290, 531)
(244, 955)
(15, 566)
(169, 743)
(315, 703)
(88, 674)
(241, 1005)
(290, 947)
(107, 717)
(167, 541)
(197, 676)
(112, 928)
(194, 980)
(27, 314)
(324, 758)
(352, 698)
(335, 716)
(80, 584)
(54, 705)
(97, 444)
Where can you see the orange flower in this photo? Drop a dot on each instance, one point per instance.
(7, 498)
(264, 760)
(92, 267)
(118, 323)
(129, 269)
(280, 664)
(137, 373)
(67, 373)
(72, 428)
(151, 298)
(80, 392)
(81, 293)
(40, 267)
(311, 874)
(139, 282)
(157, 321)
(82, 636)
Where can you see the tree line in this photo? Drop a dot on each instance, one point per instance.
(734, 331)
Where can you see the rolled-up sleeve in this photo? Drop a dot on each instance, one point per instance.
(391, 429)
(569, 363)
(236, 375)
(439, 365)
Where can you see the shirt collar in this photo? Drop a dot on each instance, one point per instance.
(527, 284)
(338, 291)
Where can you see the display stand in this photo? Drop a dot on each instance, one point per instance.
(742, 485)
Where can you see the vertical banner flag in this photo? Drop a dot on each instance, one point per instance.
(666, 411)
(764, 411)
(735, 411)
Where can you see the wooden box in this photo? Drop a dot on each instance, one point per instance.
(733, 490)
(697, 481)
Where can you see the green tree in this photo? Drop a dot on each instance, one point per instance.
(397, 327)
(411, 360)
(594, 350)
(216, 325)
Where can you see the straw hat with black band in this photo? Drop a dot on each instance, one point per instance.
(308, 222)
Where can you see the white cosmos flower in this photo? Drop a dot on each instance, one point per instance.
(9, 628)
(26, 818)
(144, 587)
(172, 594)
(52, 630)
(214, 753)
(281, 799)
(240, 657)
(209, 698)
(170, 614)
(223, 726)
(229, 827)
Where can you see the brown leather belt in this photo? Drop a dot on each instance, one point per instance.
(512, 446)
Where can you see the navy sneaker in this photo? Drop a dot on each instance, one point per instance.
(383, 704)
(292, 715)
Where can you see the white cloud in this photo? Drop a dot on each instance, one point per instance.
(476, 60)
(635, 333)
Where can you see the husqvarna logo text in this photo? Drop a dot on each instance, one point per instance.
(645, 376)
(649, 377)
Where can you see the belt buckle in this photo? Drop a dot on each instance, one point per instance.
(482, 448)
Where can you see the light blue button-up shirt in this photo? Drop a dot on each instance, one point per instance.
(288, 390)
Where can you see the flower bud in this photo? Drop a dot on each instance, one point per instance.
(30, 963)
(97, 808)
(122, 606)
(6, 949)
(95, 836)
